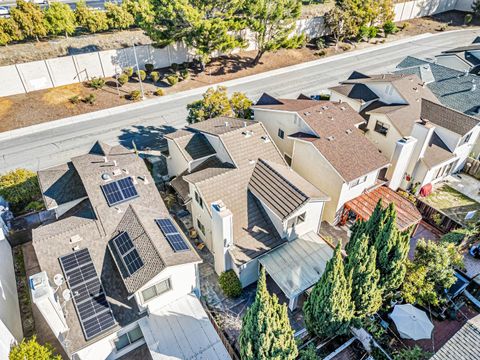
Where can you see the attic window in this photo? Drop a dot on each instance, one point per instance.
(348, 131)
(331, 138)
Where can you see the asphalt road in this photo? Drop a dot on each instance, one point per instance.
(47, 148)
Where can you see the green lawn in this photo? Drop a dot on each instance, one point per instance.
(453, 203)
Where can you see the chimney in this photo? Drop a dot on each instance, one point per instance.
(47, 302)
(401, 158)
(222, 236)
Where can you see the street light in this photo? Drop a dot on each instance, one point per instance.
(138, 72)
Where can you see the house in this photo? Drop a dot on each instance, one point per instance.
(247, 204)
(115, 269)
(453, 88)
(424, 140)
(322, 143)
(462, 58)
(463, 345)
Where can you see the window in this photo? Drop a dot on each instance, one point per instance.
(128, 338)
(281, 133)
(466, 139)
(381, 128)
(358, 181)
(156, 290)
(296, 220)
(198, 199)
(201, 227)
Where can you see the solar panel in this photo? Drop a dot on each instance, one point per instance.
(128, 253)
(119, 191)
(88, 294)
(174, 238)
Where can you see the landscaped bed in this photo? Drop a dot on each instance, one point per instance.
(453, 204)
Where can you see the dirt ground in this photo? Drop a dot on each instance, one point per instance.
(51, 104)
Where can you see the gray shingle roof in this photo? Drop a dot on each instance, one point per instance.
(451, 87)
(356, 91)
(464, 345)
(281, 189)
(447, 118)
(192, 145)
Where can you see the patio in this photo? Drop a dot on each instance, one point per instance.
(465, 184)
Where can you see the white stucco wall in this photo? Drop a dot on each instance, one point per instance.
(356, 105)
(176, 163)
(387, 93)
(450, 138)
(219, 148)
(463, 151)
(9, 307)
(204, 216)
(248, 273)
(386, 144)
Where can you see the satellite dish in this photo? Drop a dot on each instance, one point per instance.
(58, 279)
(66, 294)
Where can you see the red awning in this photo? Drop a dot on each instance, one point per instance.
(363, 206)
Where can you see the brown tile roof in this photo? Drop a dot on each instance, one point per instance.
(281, 189)
(447, 118)
(363, 205)
(358, 92)
(338, 139)
(192, 145)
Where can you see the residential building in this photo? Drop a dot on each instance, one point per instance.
(322, 142)
(424, 140)
(462, 58)
(246, 203)
(115, 269)
(453, 88)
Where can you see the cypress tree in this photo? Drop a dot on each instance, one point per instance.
(266, 332)
(361, 263)
(329, 308)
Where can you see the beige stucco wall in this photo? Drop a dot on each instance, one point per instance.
(386, 144)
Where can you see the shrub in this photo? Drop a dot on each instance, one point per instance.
(443, 27)
(345, 47)
(31, 349)
(142, 75)
(122, 79)
(389, 27)
(320, 43)
(90, 99)
(185, 74)
(230, 284)
(159, 92)
(96, 83)
(404, 26)
(412, 353)
(19, 187)
(135, 95)
(149, 68)
(128, 71)
(175, 67)
(468, 19)
(155, 76)
(454, 237)
(322, 52)
(172, 79)
(75, 99)
(35, 205)
(308, 353)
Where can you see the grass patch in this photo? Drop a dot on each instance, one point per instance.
(62, 94)
(453, 203)
(5, 106)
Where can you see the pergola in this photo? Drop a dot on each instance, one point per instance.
(407, 214)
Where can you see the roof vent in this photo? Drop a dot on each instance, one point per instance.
(415, 89)
(105, 159)
(106, 177)
(265, 139)
(75, 238)
(331, 138)
(324, 107)
(307, 113)
(383, 76)
(125, 171)
(247, 133)
(119, 210)
(226, 124)
(343, 108)
(134, 180)
(251, 162)
(117, 172)
(465, 72)
(145, 179)
(331, 118)
(340, 101)
(348, 131)
(244, 124)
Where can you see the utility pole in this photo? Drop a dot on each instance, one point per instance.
(138, 71)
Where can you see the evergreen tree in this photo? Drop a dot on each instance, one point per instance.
(32, 350)
(272, 23)
(329, 308)
(90, 19)
(141, 10)
(204, 25)
(266, 332)
(9, 31)
(60, 19)
(361, 263)
(118, 16)
(29, 19)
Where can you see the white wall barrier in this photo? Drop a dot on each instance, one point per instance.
(38, 75)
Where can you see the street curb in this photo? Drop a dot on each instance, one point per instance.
(8, 135)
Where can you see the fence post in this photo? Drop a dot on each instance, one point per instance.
(101, 64)
(21, 79)
(49, 73)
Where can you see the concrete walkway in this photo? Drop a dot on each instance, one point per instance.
(465, 184)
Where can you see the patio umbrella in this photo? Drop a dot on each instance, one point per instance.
(411, 323)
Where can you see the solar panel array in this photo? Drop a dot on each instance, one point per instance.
(88, 294)
(119, 191)
(128, 253)
(174, 238)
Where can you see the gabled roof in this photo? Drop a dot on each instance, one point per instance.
(447, 118)
(410, 88)
(336, 136)
(281, 189)
(219, 125)
(359, 92)
(451, 87)
(463, 345)
(192, 145)
(94, 224)
(436, 152)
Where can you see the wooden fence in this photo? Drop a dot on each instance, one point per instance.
(230, 349)
(436, 218)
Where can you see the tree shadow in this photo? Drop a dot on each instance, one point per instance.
(71, 50)
(145, 137)
(230, 64)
